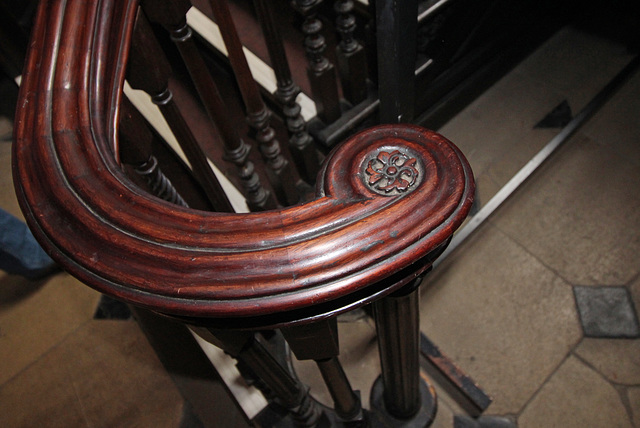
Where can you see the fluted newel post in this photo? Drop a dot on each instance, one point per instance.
(291, 393)
(149, 71)
(322, 75)
(301, 143)
(318, 341)
(352, 61)
(283, 176)
(400, 395)
(136, 150)
(172, 16)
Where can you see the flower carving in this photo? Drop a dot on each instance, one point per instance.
(390, 172)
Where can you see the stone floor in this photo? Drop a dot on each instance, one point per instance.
(538, 305)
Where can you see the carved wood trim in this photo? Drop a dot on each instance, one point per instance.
(344, 248)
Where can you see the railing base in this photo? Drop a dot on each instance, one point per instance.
(381, 418)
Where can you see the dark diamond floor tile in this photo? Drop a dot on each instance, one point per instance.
(463, 421)
(606, 312)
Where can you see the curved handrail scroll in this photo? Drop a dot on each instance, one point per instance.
(386, 199)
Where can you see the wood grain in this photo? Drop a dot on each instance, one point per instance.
(348, 246)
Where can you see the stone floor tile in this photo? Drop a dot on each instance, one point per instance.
(617, 359)
(571, 63)
(118, 378)
(616, 126)
(35, 316)
(634, 287)
(503, 318)
(498, 124)
(575, 397)
(634, 402)
(606, 312)
(105, 375)
(472, 136)
(42, 392)
(579, 214)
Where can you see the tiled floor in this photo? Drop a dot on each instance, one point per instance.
(502, 305)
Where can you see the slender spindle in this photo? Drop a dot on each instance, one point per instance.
(284, 177)
(301, 143)
(352, 61)
(292, 394)
(321, 72)
(150, 71)
(172, 16)
(136, 141)
(319, 341)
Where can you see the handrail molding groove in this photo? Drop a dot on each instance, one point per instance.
(188, 263)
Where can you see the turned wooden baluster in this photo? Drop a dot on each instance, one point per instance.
(321, 72)
(149, 71)
(352, 61)
(318, 341)
(172, 16)
(135, 150)
(283, 176)
(301, 144)
(291, 393)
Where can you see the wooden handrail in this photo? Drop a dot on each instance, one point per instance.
(365, 235)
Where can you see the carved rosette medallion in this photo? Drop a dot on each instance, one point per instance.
(392, 172)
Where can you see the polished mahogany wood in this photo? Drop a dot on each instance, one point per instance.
(352, 61)
(149, 70)
(321, 73)
(301, 144)
(386, 199)
(136, 149)
(291, 393)
(172, 15)
(283, 175)
(319, 341)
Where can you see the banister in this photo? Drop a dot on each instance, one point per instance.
(349, 245)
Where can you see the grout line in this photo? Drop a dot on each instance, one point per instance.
(595, 369)
(47, 351)
(621, 389)
(530, 253)
(546, 380)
